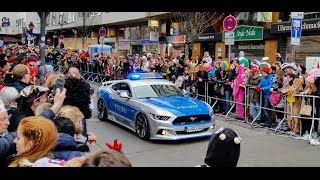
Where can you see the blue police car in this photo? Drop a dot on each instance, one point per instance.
(154, 108)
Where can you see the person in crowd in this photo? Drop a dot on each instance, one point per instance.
(21, 77)
(74, 73)
(279, 58)
(36, 137)
(310, 89)
(9, 95)
(202, 76)
(239, 92)
(265, 85)
(105, 158)
(254, 96)
(7, 147)
(30, 98)
(77, 117)
(288, 68)
(226, 78)
(293, 87)
(67, 147)
(223, 149)
(5, 66)
(78, 94)
(279, 107)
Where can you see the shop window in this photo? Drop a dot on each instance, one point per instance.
(252, 49)
(309, 47)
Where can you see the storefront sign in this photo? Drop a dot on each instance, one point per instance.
(250, 46)
(146, 41)
(110, 40)
(285, 27)
(154, 36)
(245, 33)
(209, 37)
(153, 23)
(124, 45)
(180, 39)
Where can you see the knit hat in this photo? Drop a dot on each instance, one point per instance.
(310, 79)
(223, 149)
(254, 69)
(266, 69)
(244, 62)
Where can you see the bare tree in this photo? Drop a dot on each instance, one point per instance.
(84, 24)
(192, 24)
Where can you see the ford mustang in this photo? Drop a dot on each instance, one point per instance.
(154, 108)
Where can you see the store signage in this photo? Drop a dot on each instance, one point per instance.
(285, 27)
(153, 23)
(146, 41)
(110, 40)
(245, 33)
(124, 45)
(250, 46)
(180, 39)
(154, 36)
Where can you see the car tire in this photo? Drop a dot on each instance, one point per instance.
(102, 110)
(142, 127)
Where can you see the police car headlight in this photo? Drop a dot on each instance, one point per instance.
(158, 117)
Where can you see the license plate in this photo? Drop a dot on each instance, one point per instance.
(193, 129)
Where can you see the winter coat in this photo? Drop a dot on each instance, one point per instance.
(266, 84)
(254, 95)
(16, 83)
(66, 148)
(21, 113)
(7, 147)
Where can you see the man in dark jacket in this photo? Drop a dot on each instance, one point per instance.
(30, 98)
(21, 77)
(67, 147)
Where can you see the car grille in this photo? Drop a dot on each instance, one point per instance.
(186, 120)
(184, 132)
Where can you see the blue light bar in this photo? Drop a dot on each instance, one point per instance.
(134, 76)
(138, 76)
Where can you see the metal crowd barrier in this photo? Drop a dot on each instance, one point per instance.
(246, 104)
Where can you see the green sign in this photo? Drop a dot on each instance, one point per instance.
(247, 33)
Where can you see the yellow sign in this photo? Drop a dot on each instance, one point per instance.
(153, 23)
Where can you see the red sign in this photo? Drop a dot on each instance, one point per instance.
(102, 31)
(61, 37)
(48, 40)
(229, 23)
(180, 39)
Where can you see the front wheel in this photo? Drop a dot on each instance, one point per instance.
(102, 110)
(142, 127)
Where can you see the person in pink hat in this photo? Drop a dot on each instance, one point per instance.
(310, 89)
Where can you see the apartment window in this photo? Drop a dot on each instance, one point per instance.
(86, 14)
(311, 15)
(95, 13)
(70, 17)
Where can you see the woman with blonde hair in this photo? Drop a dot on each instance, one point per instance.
(36, 137)
(76, 116)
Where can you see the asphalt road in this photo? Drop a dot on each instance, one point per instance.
(259, 147)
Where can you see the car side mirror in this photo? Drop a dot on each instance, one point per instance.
(124, 94)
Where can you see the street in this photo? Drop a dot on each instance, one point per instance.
(259, 147)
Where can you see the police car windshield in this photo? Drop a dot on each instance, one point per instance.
(159, 90)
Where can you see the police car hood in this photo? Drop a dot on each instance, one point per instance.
(179, 105)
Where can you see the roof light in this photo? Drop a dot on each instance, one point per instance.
(134, 76)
